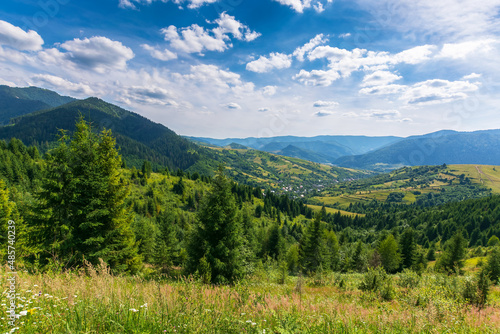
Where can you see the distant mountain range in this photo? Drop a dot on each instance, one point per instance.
(321, 149)
(380, 153)
(35, 116)
(450, 147)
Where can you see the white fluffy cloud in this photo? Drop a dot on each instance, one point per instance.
(269, 90)
(383, 90)
(227, 24)
(96, 53)
(427, 92)
(317, 77)
(342, 62)
(380, 78)
(320, 103)
(132, 4)
(438, 91)
(323, 113)
(193, 39)
(275, 61)
(60, 84)
(300, 5)
(164, 55)
(150, 94)
(471, 76)
(212, 75)
(196, 39)
(464, 49)
(17, 38)
(232, 105)
(306, 48)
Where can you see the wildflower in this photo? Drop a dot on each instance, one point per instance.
(134, 310)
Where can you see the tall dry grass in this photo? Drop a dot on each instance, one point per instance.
(94, 301)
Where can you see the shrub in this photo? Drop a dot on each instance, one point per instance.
(373, 279)
(408, 279)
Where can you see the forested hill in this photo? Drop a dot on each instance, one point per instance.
(139, 138)
(142, 140)
(450, 147)
(16, 101)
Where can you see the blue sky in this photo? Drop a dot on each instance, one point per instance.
(239, 68)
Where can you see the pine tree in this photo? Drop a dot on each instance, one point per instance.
(51, 227)
(81, 212)
(332, 250)
(493, 265)
(408, 247)
(389, 254)
(166, 250)
(452, 258)
(218, 235)
(358, 260)
(312, 252)
(146, 169)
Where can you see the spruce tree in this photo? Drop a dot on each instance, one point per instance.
(312, 252)
(218, 235)
(332, 250)
(493, 265)
(408, 247)
(166, 250)
(452, 258)
(389, 254)
(146, 169)
(51, 228)
(81, 212)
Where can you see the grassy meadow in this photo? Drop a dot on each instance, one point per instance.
(94, 301)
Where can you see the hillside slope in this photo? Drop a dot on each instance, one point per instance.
(16, 101)
(139, 138)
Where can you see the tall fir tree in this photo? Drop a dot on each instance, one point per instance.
(81, 207)
(389, 254)
(218, 237)
(167, 245)
(408, 248)
(493, 265)
(452, 259)
(312, 247)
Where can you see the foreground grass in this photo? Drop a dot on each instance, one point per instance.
(98, 302)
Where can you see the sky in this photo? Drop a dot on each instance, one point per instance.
(262, 68)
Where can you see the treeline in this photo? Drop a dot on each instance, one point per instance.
(479, 219)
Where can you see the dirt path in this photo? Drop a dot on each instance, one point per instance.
(481, 173)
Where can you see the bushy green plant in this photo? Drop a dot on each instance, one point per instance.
(373, 279)
(408, 279)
